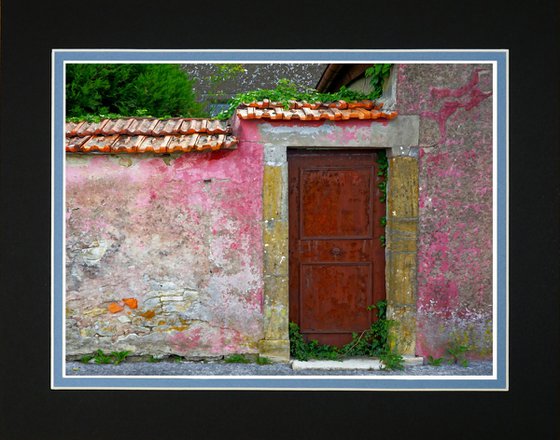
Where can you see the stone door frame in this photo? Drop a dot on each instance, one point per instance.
(399, 137)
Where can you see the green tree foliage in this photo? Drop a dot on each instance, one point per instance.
(158, 90)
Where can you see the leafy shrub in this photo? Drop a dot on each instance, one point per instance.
(158, 90)
(372, 342)
(298, 346)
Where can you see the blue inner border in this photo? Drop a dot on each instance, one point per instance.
(192, 382)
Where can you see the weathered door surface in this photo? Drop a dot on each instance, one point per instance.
(336, 258)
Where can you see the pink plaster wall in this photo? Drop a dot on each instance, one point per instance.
(182, 235)
(454, 103)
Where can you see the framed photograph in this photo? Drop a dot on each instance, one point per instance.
(280, 220)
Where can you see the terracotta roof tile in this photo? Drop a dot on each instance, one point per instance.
(154, 144)
(313, 111)
(74, 144)
(142, 135)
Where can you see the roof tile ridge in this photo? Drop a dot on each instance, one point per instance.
(143, 125)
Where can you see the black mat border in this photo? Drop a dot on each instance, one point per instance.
(30, 410)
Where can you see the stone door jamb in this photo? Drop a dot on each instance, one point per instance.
(400, 138)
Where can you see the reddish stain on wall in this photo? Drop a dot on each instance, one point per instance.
(185, 342)
(455, 204)
(184, 238)
(467, 97)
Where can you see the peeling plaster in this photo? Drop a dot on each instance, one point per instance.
(183, 238)
(455, 204)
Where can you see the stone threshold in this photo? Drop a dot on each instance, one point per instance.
(350, 364)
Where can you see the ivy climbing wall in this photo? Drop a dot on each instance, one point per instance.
(454, 281)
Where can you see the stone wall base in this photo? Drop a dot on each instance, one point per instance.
(277, 350)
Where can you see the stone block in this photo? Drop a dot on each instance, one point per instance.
(272, 192)
(96, 311)
(276, 307)
(403, 151)
(277, 350)
(402, 191)
(401, 131)
(402, 335)
(275, 238)
(412, 361)
(346, 364)
(401, 278)
(275, 154)
(95, 252)
(401, 234)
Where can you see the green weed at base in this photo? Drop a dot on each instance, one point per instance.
(457, 355)
(119, 356)
(102, 358)
(262, 360)
(391, 361)
(372, 342)
(99, 357)
(175, 358)
(435, 362)
(457, 352)
(236, 359)
(86, 358)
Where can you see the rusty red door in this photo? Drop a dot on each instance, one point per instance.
(337, 262)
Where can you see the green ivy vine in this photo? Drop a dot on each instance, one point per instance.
(372, 342)
(377, 75)
(287, 91)
(382, 171)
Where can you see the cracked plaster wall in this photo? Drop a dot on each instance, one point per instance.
(454, 104)
(182, 236)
